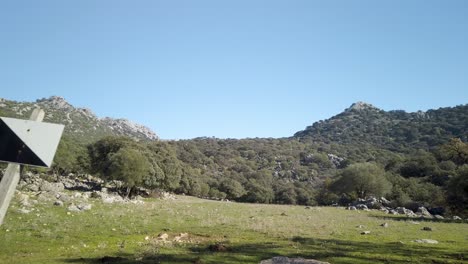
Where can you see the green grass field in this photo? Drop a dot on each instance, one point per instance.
(222, 232)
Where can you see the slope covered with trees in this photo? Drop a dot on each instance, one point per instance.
(411, 158)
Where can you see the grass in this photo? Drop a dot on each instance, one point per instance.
(247, 233)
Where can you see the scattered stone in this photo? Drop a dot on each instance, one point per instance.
(84, 207)
(58, 203)
(426, 228)
(365, 232)
(439, 217)
(384, 201)
(455, 217)
(362, 207)
(51, 186)
(360, 226)
(384, 210)
(423, 212)
(64, 198)
(384, 225)
(393, 212)
(180, 237)
(286, 260)
(163, 236)
(427, 241)
(73, 208)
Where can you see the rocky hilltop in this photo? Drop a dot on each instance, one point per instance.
(363, 123)
(80, 123)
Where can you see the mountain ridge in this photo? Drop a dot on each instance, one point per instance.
(79, 122)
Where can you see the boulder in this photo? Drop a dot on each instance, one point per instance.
(73, 208)
(84, 207)
(352, 208)
(439, 217)
(51, 186)
(58, 203)
(455, 217)
(422, 211)
(362, 207)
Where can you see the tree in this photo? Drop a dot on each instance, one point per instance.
(130, 166)
(458, 190)
(456, 151)
(362, 179)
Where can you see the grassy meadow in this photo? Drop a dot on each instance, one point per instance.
(192, 230)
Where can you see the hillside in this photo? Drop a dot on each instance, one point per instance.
(396, 130)
(80, 123)
(412, 156)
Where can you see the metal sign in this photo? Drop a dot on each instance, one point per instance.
(29, 142)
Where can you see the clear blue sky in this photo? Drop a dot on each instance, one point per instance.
(234, 69)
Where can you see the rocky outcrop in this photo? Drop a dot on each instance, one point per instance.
(79, 122)
(127, 127)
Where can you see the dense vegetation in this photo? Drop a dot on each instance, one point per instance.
(411, 158)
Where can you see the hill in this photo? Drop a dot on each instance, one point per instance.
(410, 157)
(395, 130)
(80, 123)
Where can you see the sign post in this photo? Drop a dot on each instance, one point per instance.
(25, 142)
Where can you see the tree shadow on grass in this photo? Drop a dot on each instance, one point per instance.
(331, 250)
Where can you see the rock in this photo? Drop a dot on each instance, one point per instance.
(285, 260)
(58, 203)
(84, 207)
(384, 201)
(426, 228)
(407, 212)
(439, 217)
(51, 186)
(64, 198)
(73, 208)
(352, 208)
(45, 196)
(423, 212)
(427, 241)
(384, 225)
(23, 200)
(455, 217)
(360, 226)
(362, 207)
(163, 236)
(393, 212)
(384, 210)
(365, 232)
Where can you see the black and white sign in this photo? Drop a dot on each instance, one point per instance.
(29, 142)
